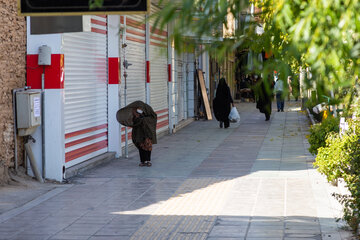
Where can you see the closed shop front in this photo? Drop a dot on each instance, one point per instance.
(159, 74)
(85, 107)
(180, 87)
(134, 54)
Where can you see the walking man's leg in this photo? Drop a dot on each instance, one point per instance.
(278, 101)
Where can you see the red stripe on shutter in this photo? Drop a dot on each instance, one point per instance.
(137, 33)
(135, 39)
(162, 124)
(159, 119)
(86, 139)
(87, 130)
(98, 22)
(129, 137)
(158, 44)
(158, 32)
(96, 30)
(69, 156)
(159, 39)
(161, 111)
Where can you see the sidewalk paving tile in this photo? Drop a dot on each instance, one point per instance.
(252, 181)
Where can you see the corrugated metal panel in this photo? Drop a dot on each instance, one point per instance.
(159, 74)
(180, 88)
(135, 55)
(85, 109)
(158, 81)
(190, 73)
(173, 87)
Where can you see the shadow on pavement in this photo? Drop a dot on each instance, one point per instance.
(251, 181)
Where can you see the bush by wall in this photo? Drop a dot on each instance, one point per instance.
(318, 133)
(340, 159)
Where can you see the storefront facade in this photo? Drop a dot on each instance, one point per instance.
(112, 61)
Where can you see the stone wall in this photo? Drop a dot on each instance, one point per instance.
(12, 75)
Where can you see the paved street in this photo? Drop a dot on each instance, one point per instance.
(252, 181)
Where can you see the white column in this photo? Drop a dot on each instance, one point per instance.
(147, 60)
(53, 108)
(114, 133)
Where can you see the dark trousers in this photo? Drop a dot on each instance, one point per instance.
(145, 156)
(267, 115)
(280, 101)
(226, 123)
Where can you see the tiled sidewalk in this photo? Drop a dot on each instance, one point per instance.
(252, 181)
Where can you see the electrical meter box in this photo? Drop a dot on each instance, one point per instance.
(44, 56)
(28, 111)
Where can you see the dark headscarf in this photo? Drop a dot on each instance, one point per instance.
(143, 126)
(222, 101)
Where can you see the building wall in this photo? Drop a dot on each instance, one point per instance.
(12, 75)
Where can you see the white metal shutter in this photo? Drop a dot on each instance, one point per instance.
(190, 79)
(135, 55)
(159, 74)
(85, 108)
(180, 88)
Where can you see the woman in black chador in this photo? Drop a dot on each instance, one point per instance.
(264, 96)
(222, 103)
(142, 118)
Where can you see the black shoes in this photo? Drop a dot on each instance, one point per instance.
(145, 164)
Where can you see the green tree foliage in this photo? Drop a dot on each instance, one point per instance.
(321, 34)
(192, 20)
(95, 3)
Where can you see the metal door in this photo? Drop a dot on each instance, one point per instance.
(180, 87)
(159, 74)
(85, 108)
(134, 53)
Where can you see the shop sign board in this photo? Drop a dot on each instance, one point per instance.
(81, 7)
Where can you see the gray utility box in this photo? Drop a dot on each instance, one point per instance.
(28, 111)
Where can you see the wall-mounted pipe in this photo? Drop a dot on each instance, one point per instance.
(43, 122)
(32, 159)
(125, 64)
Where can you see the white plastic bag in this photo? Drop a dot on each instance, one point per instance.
(234, 115)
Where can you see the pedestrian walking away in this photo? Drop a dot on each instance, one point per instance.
(222, 103)
(279, 90)
(264, 95)
(142, 118)
(289, 82)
